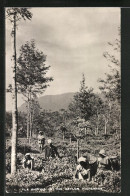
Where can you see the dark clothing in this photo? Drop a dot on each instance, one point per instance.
(90, 166)
(104, 163)
(41, 142)
(93, 168)
(41, 139)
(47, 151)
(85, 165)
(54, 151)
(51, 151)
(83, 170)
(28, 162)
(114, 163)
(103, 168)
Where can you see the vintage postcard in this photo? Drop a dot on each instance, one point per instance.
(63, 100)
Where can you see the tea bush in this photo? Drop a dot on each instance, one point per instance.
(57, 175)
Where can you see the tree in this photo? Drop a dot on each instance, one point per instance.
(97, 112)
(34, 111)
(106, 116)
(83, 103)
(111, 85)
(31, 74)
(14, 15)
(63, 129)
(47, 122)
(64, 116)
(22, 124)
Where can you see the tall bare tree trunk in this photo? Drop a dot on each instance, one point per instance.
(63, 136)
(30, 125)
(97, 121)
(106, 121)
(105, 128)
(85, 133)
(70, 139)
(77, 149)
(32, 119)
(14, 104)
(95, 131)
(28, 117)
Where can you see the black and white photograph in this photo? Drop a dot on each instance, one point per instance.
(63, 100)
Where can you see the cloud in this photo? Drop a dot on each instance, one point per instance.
(73, 39)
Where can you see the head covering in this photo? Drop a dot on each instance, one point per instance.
(49, 141)
(27, 155)
(102, 152)
(82, 159)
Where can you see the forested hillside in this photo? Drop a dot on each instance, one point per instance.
(52, 102)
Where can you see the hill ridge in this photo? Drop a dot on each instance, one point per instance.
(52, 102)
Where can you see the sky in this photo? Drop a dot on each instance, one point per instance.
(74, 40)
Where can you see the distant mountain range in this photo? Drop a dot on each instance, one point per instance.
(52, 102)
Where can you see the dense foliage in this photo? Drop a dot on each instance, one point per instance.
(31, 69)
(57, 175)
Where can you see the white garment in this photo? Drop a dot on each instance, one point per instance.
(80, 176)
